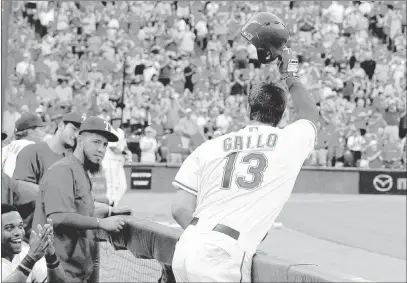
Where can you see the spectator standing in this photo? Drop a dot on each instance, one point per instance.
(392, 115)
(403, 127)
(25, 69)
(64, 91)
(188, 123)
(375, 122)
(223, 121)
(360, 114)
(373, 155)
(45, 92)
(172, 146)
(337, 148)
(356, 144)
(392, 153)
(319, 156)
(148, 146)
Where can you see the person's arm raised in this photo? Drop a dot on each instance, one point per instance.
(302, 99)
(38, 246)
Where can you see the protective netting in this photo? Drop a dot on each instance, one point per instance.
(142, 252)
(123, 266)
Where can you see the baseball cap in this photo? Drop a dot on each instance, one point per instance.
(115, 117)
(99, 126)
(150, 129)
(28, 121)
(3, 136)
(74, 118)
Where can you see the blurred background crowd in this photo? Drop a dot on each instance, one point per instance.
(178, 72)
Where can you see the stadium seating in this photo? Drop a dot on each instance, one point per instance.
(183, 69)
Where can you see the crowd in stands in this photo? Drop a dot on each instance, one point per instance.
(178, 73)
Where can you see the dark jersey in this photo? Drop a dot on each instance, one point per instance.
(33, 161)
(66, 188)
(13, 193)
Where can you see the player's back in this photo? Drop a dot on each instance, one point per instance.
(247, 176)
(33, 161)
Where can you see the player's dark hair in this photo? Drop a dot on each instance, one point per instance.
(6, 208)
(267, 103)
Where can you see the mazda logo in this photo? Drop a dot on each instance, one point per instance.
(383, 183)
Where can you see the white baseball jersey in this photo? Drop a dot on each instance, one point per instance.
(9, 155)
(121, 144)
(116, 184)
(243, 179)
(38, 273)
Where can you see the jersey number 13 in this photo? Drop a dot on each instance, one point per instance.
(242, 182)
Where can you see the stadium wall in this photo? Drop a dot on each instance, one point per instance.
(157, 178)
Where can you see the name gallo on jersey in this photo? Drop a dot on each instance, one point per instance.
(249, 142)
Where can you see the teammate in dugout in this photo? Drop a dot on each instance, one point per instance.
(116, 155)
(66, 198)
(28, 130)
(27, 265)
(35, 159)
(232, 188)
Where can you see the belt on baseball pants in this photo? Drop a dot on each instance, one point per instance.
(221, 229)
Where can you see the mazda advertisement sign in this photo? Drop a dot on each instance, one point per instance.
(382, 183)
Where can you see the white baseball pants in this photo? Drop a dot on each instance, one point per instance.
(209, 256)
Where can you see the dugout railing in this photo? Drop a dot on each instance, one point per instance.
(143, 251)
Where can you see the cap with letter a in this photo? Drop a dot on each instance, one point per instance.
(99, 126)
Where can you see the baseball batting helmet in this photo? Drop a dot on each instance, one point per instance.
(268, 34)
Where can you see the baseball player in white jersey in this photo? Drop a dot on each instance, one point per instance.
(115, 157)
(28, 130)
(232, 188)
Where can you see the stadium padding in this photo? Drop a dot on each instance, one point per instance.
(149, 240)
(330, 180)
(268, 268)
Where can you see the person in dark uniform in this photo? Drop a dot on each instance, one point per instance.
(35, 159)
(28, 130)
(66, 198)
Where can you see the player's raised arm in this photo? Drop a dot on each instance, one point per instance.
(270, 36)
(302, 99)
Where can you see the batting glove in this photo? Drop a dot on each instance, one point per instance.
(288, 64)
